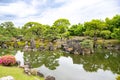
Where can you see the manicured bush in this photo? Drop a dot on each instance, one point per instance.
(106, 34)
(87, 44)
(8, 60)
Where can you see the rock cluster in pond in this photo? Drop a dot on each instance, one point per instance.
(74, 47)
(32, 46)
(71, 46)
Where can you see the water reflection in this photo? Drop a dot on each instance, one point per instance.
(102, 65)
(20, 57)
(105, 60)
(47, 58)
(69, 71)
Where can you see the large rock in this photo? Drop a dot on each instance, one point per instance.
(77, 48)
(27, 48)
(40, 74)
(15, 45)
(27, 63)
(32, 44)
(27, 69)
(50, 78)
(72, 46)
(86, 51)
(4, 46)
(7, 78)
(33, 71)
(117, 47)
(41, 48)
(51, 47)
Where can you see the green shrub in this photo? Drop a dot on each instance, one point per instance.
(21, 43)
(105, 34)
(87, 44)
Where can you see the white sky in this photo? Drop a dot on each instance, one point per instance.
(47, 11)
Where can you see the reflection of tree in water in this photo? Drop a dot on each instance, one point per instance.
(100, 60)
(47, 58)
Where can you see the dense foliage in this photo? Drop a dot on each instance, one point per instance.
(61, 28)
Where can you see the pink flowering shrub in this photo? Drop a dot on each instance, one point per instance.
(8, 60)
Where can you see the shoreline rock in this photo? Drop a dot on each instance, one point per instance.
(7, 78)
(50, 78)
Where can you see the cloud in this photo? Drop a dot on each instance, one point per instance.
(7, 1)
(81, 10)
(19, 9)
(47, 11)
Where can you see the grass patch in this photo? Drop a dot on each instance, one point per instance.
(118, 77)
(17, 73)
(109, 41)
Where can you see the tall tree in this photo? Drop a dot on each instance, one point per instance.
(76, 30)
(51, 33)
(93, 28)
(62, 25)
(8, 29)
(114, 26)
(33, 29)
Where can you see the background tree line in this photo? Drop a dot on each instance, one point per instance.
(61, 28)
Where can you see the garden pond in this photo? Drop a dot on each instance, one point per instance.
(102, 65)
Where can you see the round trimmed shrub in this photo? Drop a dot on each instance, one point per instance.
(8, 60)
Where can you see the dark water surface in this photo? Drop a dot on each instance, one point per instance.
(102, 65)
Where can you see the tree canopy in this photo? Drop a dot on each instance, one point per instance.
(61, 28)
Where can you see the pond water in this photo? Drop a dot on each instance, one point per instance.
(102, 65)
